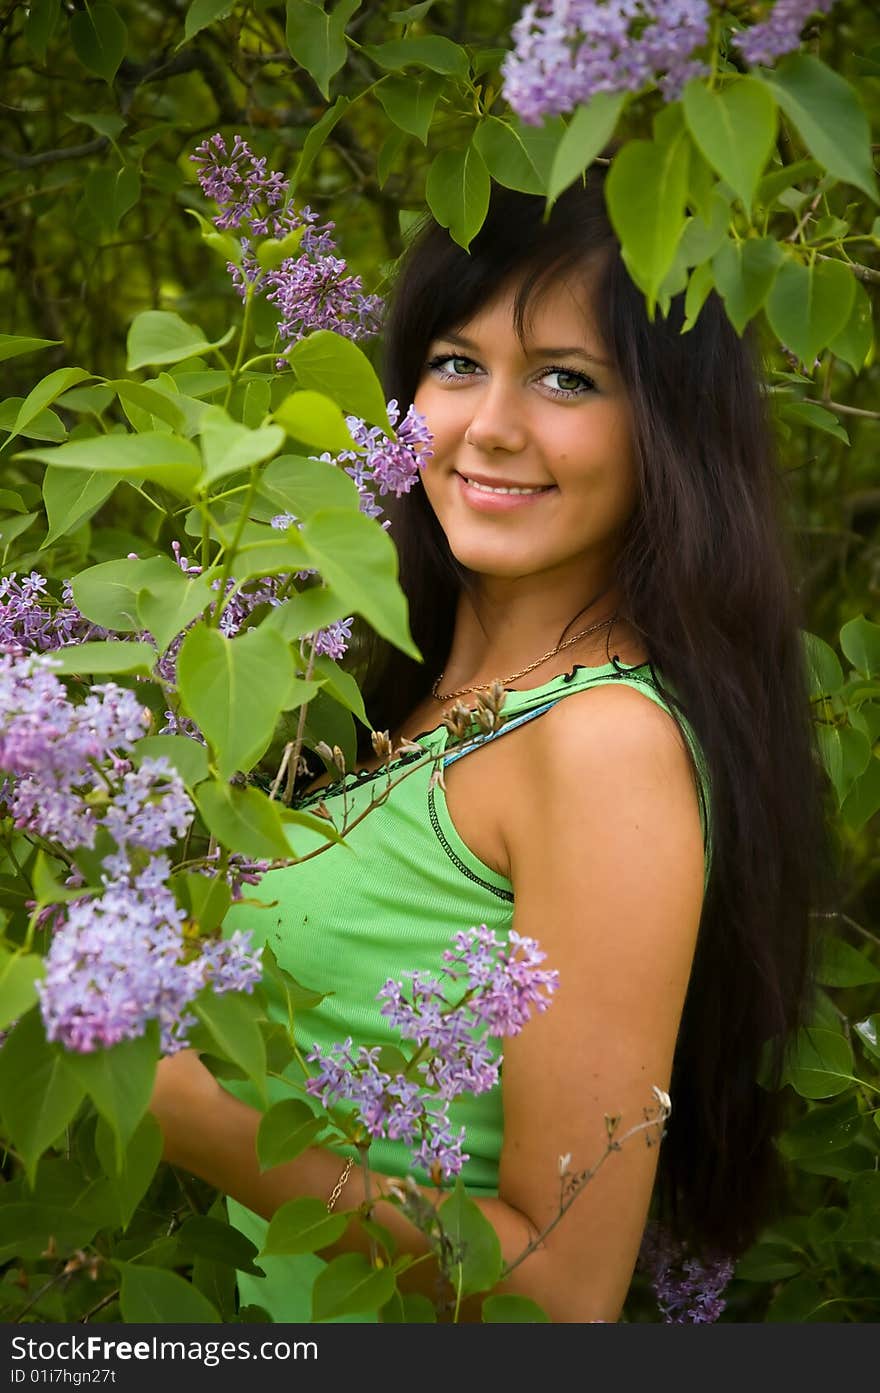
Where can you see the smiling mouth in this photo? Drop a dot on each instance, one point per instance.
(504, 489)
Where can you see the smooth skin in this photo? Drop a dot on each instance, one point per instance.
(596, 815)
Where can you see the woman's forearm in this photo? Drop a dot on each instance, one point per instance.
(212, 1134)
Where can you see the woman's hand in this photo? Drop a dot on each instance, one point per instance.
(184, 1094)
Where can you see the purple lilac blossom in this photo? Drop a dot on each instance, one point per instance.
(49, 747)
(501, 984)
(311, 290)
(119, 960)
(31, 622)
(780, 32)
(567, 51)
(688, 1291)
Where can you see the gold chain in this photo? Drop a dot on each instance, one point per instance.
(340, 1184)
(444, 696)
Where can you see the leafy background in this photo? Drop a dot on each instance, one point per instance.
(103, 104)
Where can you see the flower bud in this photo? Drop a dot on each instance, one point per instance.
(381, 742)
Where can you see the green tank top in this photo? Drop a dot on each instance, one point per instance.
(386, 903)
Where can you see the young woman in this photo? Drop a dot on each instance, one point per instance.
(651, 809)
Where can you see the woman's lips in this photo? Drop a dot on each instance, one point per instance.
(485, 502)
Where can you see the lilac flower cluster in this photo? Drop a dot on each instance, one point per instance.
(32, 622)
(688, 1291)
(566, 51)
(780, 32)
(119, 960)
(311, 290)
(502, 984)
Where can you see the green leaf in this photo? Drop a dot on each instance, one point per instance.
(795, 1302)
(478, 1263)
(272, 251)
(768, 1262)
(358, 560)
(645, 191)
(408, 1308)
(306, 613)
(285, 1131)
(807, 413)
(392, 145)
(234, 690)
(292, 995)
(412, 14)
(110, 194)
(47, 889)
(824, 1129)
(509, 159)
(302, 486)
(107, 593)
(807, 306)
(209, 899)
(735, 129)
(230, 1021)
(39, 1094)
(119, 1080)
(19, 974)
(844, 966)
(42, 19)
(700, 284)
(201, 13)
(829, 116)
(410, 101)
(744, 273)
(103, 657)
(204, 1237)
(44, 426)
(820, 1063)
(128, 1182)
(316, 39)
(46, 392)
(304, 1226)
(590, 129)
(71, 497)
(508, 1309)
(457, 192)
(164, 459)
(244, 819)
(853, 342)
(167, 605)
(823, 666)
(860, 641)
(778, 180)
(14, 345)
(106, 123)
(315, 139)
(228, 449)
(868, 1032)
(99, 37)
(330, 363)
(151, 401)
(315, 420)
(432, 51)
(187, 756)
(349, 1286)
(160, 336)
(154, 1296)
(863, 799)
(340, 685)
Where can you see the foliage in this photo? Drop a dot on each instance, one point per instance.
(191, 429)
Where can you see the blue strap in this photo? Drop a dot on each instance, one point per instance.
(514, 721)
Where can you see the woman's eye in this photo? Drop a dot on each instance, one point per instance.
(570, 384)
(442, 361)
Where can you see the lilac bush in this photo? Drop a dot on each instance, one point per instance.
(312, 289)
(567, 51)
(501, 984)
(688, 1291)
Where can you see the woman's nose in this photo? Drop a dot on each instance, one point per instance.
(497, 422)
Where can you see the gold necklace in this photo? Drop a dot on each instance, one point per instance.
(444, 696)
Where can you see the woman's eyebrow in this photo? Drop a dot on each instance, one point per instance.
(461, 342)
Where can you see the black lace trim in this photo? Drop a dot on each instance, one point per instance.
(456, 860)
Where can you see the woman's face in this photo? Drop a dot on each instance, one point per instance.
(550, 413)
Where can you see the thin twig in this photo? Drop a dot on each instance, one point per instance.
(843, 410)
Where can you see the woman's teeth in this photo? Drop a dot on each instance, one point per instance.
(487, 488)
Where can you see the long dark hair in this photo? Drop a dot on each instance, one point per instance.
(707, 577)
